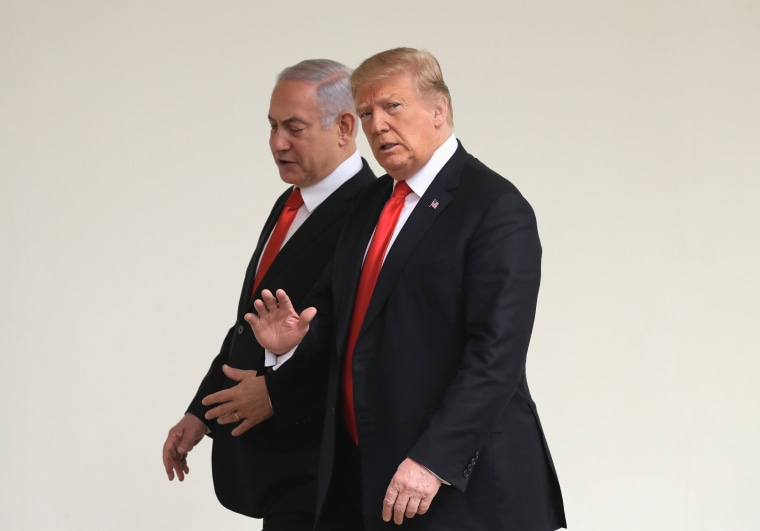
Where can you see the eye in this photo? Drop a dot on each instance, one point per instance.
(365, 114)
(273, 128)
(393, 106)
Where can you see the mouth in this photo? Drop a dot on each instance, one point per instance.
(387, 147)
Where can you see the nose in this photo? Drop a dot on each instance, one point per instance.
(377, 123)
(278, 142)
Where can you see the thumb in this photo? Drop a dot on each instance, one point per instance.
(251, 318)
(182, 443)
(232, 373)
(306, 316)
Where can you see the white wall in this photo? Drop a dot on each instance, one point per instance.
(135, 177)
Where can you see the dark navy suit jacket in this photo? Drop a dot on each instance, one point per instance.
(272, 467)
(439, 365)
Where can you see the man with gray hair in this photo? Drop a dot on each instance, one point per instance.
(265, 446)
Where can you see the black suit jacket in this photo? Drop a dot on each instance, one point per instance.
(272, 467)
(439, 365)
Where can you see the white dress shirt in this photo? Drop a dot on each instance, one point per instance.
(419, 183)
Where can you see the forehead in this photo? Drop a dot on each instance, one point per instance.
(399, 85)
(292, 98)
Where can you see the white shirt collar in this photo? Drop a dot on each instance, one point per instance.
(420, 181)
(316, 193)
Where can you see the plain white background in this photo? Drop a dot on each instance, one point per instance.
(135, 178)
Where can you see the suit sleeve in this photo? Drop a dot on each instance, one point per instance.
(297, 390)
(212, 382)
(501, 281)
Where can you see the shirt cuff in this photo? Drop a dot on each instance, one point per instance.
(439, 477)
(276, 361)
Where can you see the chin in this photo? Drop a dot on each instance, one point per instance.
(289, 178)
(388, 164)
(396, 170)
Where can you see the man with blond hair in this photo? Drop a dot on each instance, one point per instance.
(266, 447)
(429, 306)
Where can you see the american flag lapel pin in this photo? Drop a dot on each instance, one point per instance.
(434, 204)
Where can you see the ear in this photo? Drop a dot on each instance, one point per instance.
(346, 128)
(440, 111)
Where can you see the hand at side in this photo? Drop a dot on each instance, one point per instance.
(410, 492)
(181, 439)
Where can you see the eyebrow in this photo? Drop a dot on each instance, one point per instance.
(291, 120)
(383, 98)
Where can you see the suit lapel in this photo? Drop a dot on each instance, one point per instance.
(440, 193)
(274, 215)
(348, 264)
(325, 214)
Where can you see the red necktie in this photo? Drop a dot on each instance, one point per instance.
(371, 268)
(284, 222)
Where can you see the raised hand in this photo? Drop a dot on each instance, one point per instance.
(278, 327)
(247, 402)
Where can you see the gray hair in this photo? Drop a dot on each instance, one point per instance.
(333, 86)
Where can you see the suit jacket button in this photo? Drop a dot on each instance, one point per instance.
(469, 468)
(240, 329)
(466, 473)
(473, 460)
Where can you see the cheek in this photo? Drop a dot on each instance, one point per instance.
(298, 151)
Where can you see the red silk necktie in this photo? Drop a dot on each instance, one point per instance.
(370, 270)
(284, 222)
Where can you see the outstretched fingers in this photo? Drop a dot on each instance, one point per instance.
(276, 324)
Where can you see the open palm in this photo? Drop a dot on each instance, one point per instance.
(278, 327)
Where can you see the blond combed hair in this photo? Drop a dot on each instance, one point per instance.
(420, 64)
